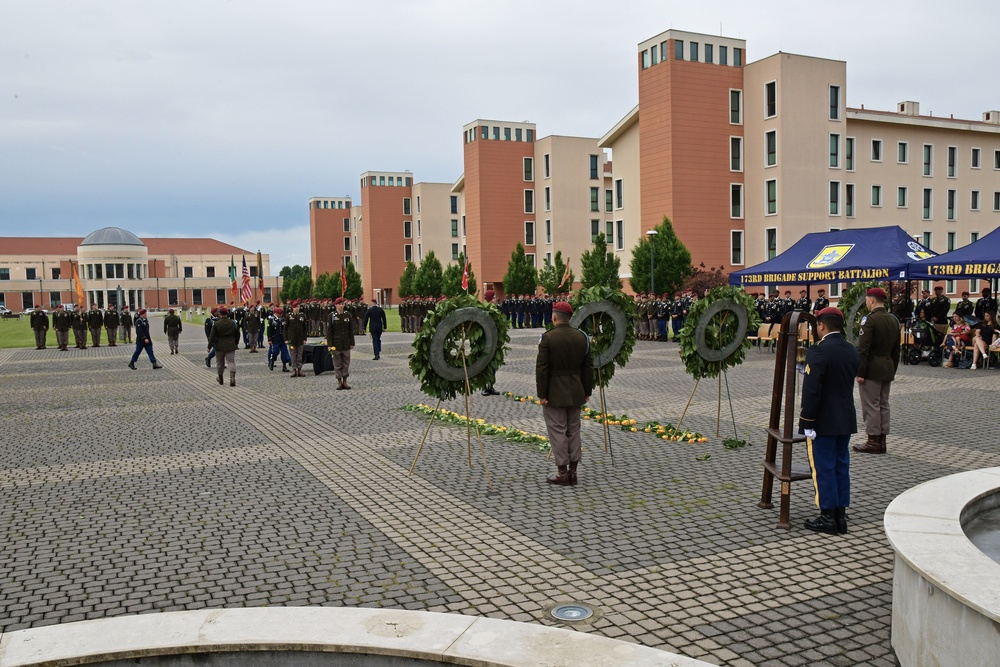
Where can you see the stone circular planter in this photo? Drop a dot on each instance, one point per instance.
(321, 636)
(945, 591)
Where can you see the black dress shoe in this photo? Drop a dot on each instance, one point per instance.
(208, 362)
(840, 518)
(824, 523)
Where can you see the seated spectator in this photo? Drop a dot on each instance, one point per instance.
(987, 338)
(958, 337)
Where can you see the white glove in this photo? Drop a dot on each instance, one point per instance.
(810, 434)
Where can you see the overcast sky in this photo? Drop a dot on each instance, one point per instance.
(222, 119)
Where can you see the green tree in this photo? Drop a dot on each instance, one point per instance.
(551, 276)
(406, 280)
(521, 276)
(297, 282)
(671, 261)
(451, 284)
(323, 288)
(600, 267)
(354, 287)
(428, 281)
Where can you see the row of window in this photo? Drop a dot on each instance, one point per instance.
(395, 181)
(497, 133)
(695, 52)
(771, 103)
(30, 273)
(902, 200)
(529, 168)
(333, 203)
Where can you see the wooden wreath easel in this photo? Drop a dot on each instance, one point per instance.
(784, 387)
(469, 420)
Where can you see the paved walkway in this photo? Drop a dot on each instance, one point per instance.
(128, 492)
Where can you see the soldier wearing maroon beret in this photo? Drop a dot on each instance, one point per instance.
(878, 347)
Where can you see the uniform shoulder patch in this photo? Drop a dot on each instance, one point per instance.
(807, 369)
(864, 319)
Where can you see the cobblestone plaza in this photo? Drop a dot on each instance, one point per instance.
(128, 492)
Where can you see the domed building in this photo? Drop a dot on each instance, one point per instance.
(113, 266)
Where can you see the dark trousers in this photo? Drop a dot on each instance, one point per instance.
(830, 461)
(278, 348)
(139, 347)
(676, 324)
(662, 322)
(377, 343)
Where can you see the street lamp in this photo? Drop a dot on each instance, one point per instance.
(651, 233)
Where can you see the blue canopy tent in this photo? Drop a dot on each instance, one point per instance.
(976, 260)
(849, 255)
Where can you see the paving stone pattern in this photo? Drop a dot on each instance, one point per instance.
(146, 491)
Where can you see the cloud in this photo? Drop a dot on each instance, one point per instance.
(286, 247)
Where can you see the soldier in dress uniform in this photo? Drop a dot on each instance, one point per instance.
(172, 327)
(986, 303)
(965, 308)
(40, 325)
(209, 323)
(252, 324)
(821, 301)
(61, 322)
(340, 338)
(276, 340)
(641, 315)
(803, 304)
(126, 325)
(143, 340)
(111, 323)
(79, 324)
(662, 317)
(788, 303)
(924, 301)
(224, 340)
(296, 332)
(940, 306)
(95, 320)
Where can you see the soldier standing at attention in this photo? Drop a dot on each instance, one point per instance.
(126, 325)
(172, 326)
(95, 320)
(40, 325)
(276, 340)
(940, 306)
(987, 303)
(61, 322)
(111, 324)
(79, 327)
(564, 378)
(225, 339)
(340, 338)
(878, 347)
(296, 331)
(253, 327)
(143, 341)
(964, 308)
(821, 301)
(803, 304)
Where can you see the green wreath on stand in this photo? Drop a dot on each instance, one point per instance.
(437, 360)
(607, 316)
(852, 305)
(714, 335)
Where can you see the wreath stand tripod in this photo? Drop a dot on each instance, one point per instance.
(724, 373)
(784, 379)
(469, 420)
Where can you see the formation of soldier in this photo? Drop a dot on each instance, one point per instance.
(530, 311)
(413, 310)
(659, 316)
(115, 325)
(772, 307)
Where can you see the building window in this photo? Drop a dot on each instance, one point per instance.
(29, 274)
(735, 107)
(975, 158)
(877, 196)
(609, 231)
(347, 223)
(529, 233)
(835, 150)
(420, 251)
(98, 271)
(736, 246)
(529, 201)
(834, 197)
(55, 273)
(901, 197)
(595, 229)
(55, 299)
(876, 150)
(928, 200)
(484, 132)
(619, 235)
(28, 300)
(5, 273)
(220, 295)
(737, 57)
(735, 154)
(771, 242)
(996, 201)
(849, 200)
(736, 200)
(529, 174)
(952, 160)
(347, 244)
(593, 167)
(506, 134)
(834, 102)
(407, 229)
(419, 233)
(546, 165)
(928, 160)
(693, 50)
(381, 180)
(951, 241)
(952, 195)
(209, 271)
(548, 198)
(548, 231)
(996, 159)
(771, 197)
(771, 148)
(517, 134)
(608, 201)
(849, 153)
(418, 204)
(172, 297)
(595, 199)
(408, 252)
(678, 49)
(645, 59)
(770, 99)
(723, 55)
(454, 251)
(928, 237)
(454, 229)
(902, 152)
(619, 193)
(188, 271)
(531, 257)
(406, 206)
(709, 56)
(654, 54)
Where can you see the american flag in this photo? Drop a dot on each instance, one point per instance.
(246, 289)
